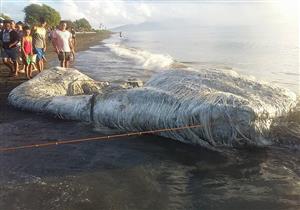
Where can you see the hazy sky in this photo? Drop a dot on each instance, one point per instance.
(119, 12)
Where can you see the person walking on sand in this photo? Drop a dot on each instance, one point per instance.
(27, 51)
(62, 43)
(10, 39)
(39, 43)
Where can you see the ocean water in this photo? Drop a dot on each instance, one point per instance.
(269, 53)
(158, 173)
(197, 179)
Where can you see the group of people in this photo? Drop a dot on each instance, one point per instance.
(25, 45)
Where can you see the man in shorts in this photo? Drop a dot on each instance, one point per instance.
(62, 43)
(10, 39)
(39, 43)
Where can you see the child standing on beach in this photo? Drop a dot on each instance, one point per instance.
(27, 52)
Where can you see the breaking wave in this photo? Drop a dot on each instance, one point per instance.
(233, 110)
(143, 58)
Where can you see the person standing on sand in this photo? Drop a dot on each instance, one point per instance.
(19, 30)
(62, 43)
(73, 32)
(14, 27)
(10, 39)
(39, 43)
(27, 51)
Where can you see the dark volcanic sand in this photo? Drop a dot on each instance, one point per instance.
(22, 127)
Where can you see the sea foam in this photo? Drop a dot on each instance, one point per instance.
(143, 58)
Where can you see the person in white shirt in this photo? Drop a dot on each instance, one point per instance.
(62, 43)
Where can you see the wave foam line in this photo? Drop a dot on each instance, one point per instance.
(142, 57)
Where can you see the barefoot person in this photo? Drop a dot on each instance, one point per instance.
(27, 51)
(10, 39)
(39, 43)
(19, 30)
(62, 43)
(73, 32)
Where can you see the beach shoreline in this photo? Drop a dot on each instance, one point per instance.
(147, 171)
(17, 126)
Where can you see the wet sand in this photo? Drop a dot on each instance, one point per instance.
(144, 172)
(19, 127)
(77, 176)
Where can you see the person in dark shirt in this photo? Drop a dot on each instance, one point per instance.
(10, 40)
(19, 29)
